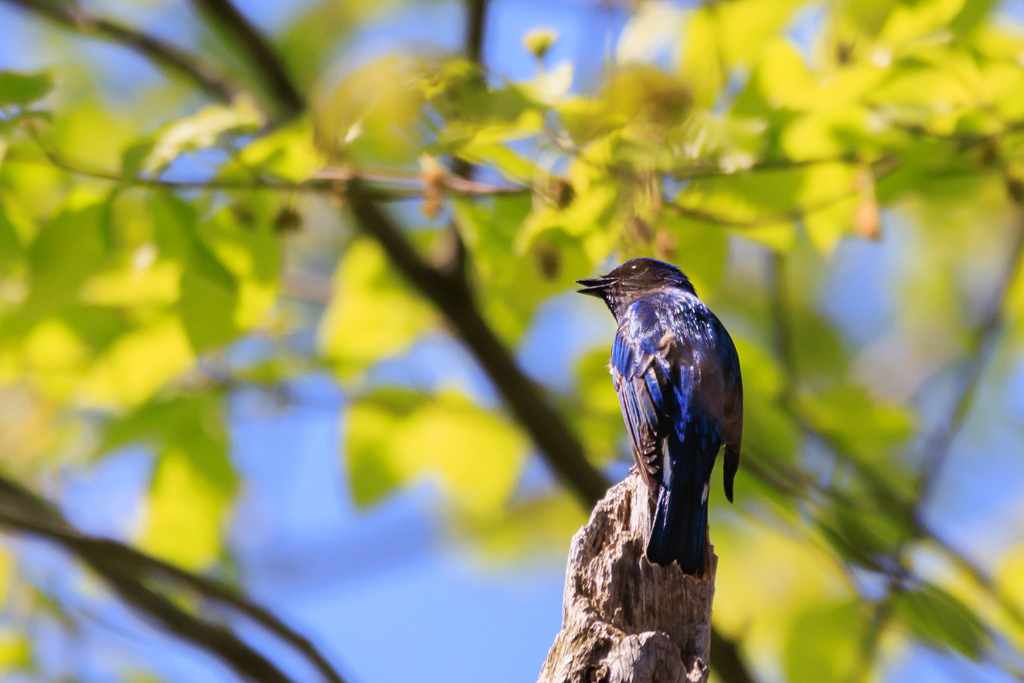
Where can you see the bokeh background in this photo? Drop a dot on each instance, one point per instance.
(205, 356)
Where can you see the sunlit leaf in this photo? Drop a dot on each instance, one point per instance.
(699, 248)
(139, 363)
(287, 153)
(184, 514)
(372, 314)
(370, 116)
(314, 31)
(12, 251)
(396, 437)
(200, 130)
(193, 482)
(539, 527)
(598, 417)
(209, 291)
(511, 286)
(766, 426)
(15, 651)
(825, 643)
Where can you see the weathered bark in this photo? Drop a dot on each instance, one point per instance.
(625, 620)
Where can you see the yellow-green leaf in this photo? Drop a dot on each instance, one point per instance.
(372, 314)
(824, 643)
(185, 514)
(396, 438)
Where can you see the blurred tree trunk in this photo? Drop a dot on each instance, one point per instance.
(625, 620)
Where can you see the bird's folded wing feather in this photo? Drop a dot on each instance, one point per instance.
(642, 375)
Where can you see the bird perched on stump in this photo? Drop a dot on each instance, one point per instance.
(677, 375)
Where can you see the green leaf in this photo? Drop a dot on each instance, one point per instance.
(541, 526)
(209, 291)
(287, 153)
(861, 425)
(244, 240)
(586, 220)
(138, 364)
(372, 314)
(940, 620)
(758, 206)
(908, 21)
(767, 428)
(396, 437)
(12, 251)
(185, 514)
(720, 37)
(824, 643)
(23, 89)
(15, 652)
(371, 116)
(201, 130)
(194, 479)
(511, 286)
(862, 537)
(67, 250)
(701, 59)
(698, 248)
(317, 29)
(597, 417)
(135, 156)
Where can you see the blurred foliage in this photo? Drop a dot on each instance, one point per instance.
(139, 248)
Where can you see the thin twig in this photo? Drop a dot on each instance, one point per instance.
(881, 168)
(939, 443)
(319, 184)
(165, 55)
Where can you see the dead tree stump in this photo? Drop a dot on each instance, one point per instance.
(625, 620)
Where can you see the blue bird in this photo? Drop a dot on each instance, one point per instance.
(677, 375)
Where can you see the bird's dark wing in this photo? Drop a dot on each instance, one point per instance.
(629, 366)
(732, 417)
(641, 370)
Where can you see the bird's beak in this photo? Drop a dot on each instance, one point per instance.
(595, 286)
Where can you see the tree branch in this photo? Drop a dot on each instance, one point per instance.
(162, 54)
(127, 569)
(525, 399)
(264, 60)
(476, 21)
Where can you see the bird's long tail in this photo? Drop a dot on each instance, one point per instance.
(679, 530)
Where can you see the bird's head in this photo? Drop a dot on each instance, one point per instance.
(634, 280)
